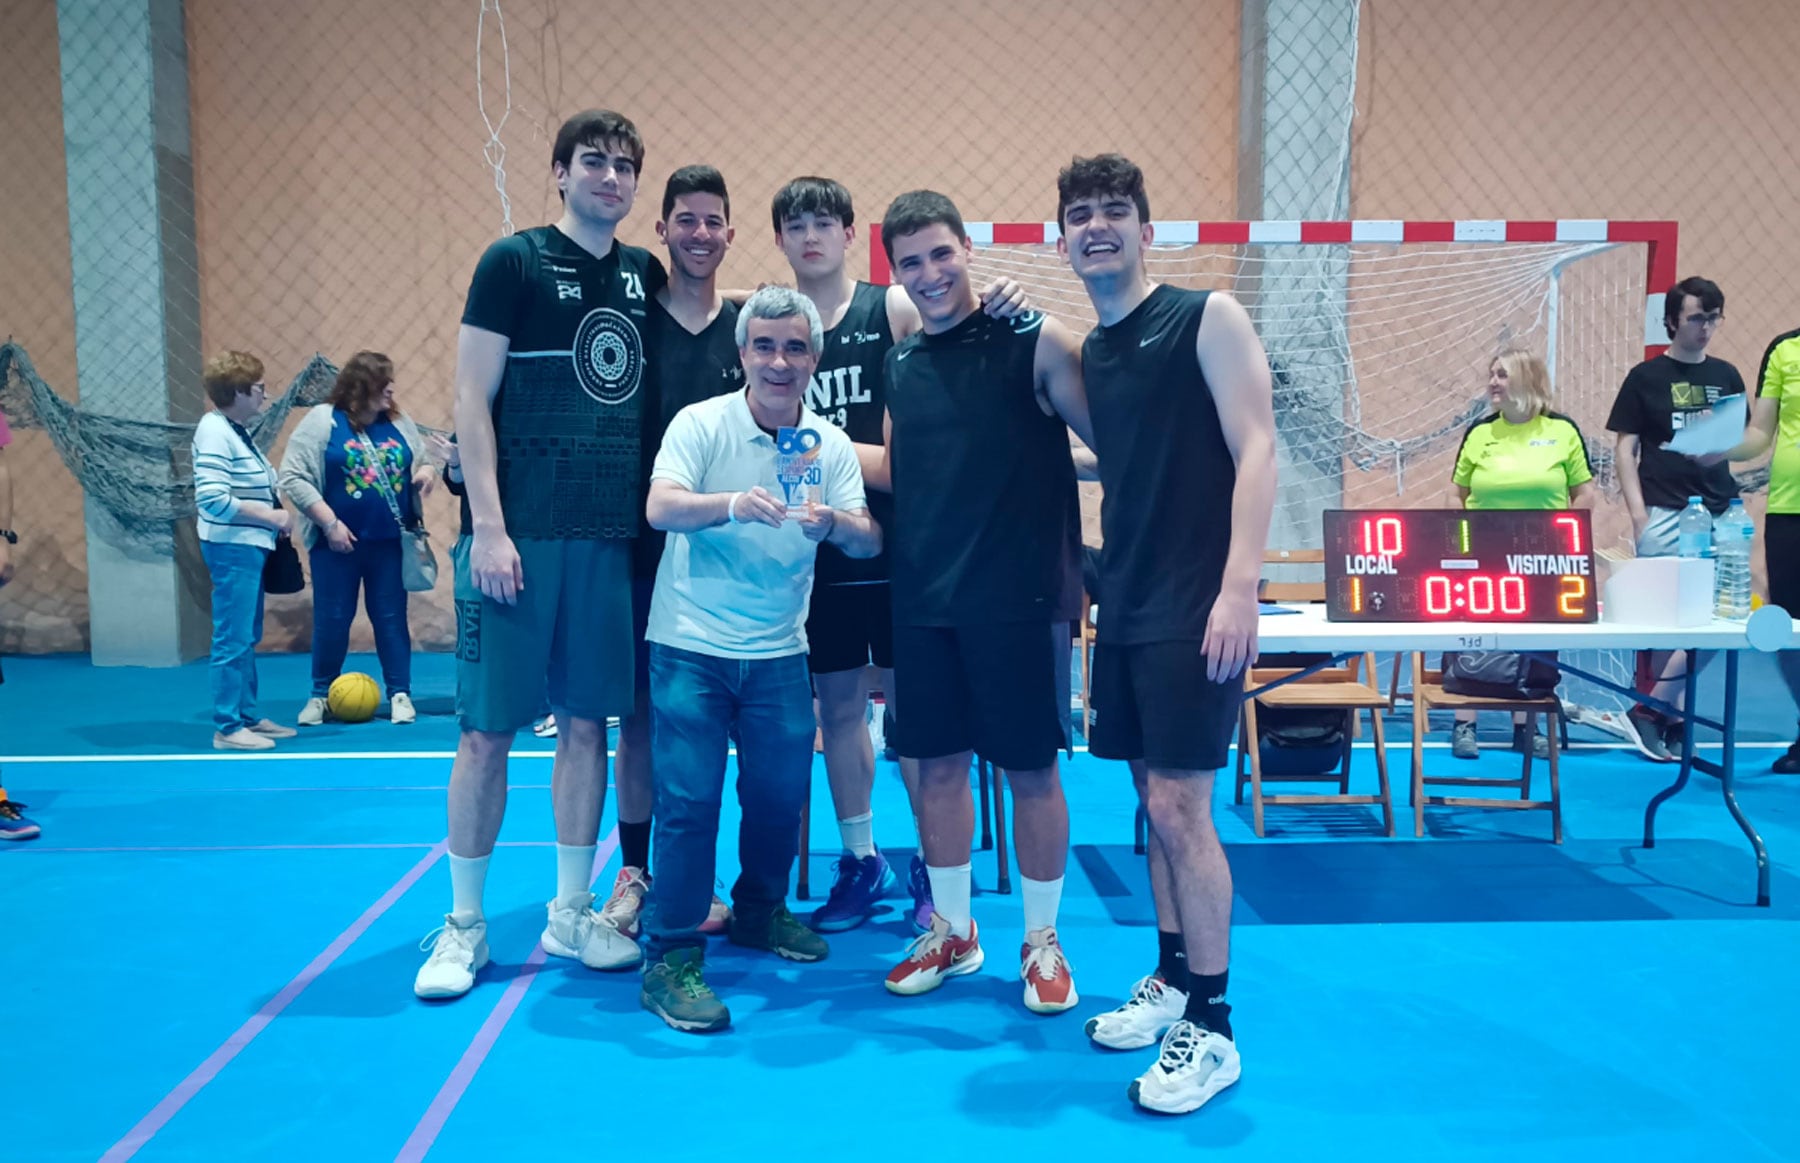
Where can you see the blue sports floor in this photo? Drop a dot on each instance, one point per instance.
(211, 957)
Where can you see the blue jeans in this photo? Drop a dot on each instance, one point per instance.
(694, 700)
(374, 567)
(237, 612)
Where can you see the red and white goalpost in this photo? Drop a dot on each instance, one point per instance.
(1379, 332)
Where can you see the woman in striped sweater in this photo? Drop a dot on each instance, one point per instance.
(240, 518)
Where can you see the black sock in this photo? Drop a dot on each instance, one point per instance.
(1206, 1003)
(1171, 960)
(634, 845)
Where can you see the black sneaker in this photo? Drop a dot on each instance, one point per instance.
(1788, 764)
(781, 934)
(1462, 742)
(1525, 735)
(1672, 740)
(1650, 736)
(676, 991)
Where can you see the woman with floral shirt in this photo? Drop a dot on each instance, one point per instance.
(345, 462)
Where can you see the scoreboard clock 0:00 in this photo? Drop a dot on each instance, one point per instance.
(1460, 565)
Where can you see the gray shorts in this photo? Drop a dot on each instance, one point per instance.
(570, 633)
(1661, 533)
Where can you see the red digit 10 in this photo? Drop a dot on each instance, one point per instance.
(1383, 536)
(1437, 594)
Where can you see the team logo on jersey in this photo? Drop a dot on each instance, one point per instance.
(1028, 322)
(609, 356)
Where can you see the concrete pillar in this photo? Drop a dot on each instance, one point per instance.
(137, 302)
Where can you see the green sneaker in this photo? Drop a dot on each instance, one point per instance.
(675, 991)
(781, 934)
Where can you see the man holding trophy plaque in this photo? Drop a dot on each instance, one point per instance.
(747, 485)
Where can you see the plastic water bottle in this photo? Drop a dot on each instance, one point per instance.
(1693, 532)
(1733, 536)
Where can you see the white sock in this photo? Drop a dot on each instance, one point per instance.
(859, 834)
(1042, 897)
(468, 876)
(950, 896)
(574, 870)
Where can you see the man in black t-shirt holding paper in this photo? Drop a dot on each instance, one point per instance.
(1659, 398)
(549, 370)
(977, 458)
(1184, 428)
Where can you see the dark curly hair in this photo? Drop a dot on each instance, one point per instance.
(360, 384)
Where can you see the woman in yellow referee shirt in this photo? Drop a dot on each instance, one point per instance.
(1524, 456)
(1776, 423)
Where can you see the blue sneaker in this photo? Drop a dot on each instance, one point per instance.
(919, 884)
(859, 886)
(13, 824)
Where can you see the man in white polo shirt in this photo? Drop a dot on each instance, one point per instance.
(746, 485)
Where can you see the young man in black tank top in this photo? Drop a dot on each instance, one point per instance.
(549, 368)
(979, 464)
(693, 332)
(1178, 385)
(850, 625)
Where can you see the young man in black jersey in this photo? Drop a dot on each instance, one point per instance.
(850, 625)
(1178, 388)
(978, 460)
(1658, 398)
(550, 363)
(692, 334)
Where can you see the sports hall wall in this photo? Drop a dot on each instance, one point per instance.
(342, 193)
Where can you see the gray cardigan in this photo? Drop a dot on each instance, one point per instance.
(303, 464)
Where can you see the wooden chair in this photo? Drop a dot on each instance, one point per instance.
(1429, 692)
(1348, 688)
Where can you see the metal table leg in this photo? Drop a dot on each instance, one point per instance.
(1725, 770)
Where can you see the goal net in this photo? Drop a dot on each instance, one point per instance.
(1379, 335)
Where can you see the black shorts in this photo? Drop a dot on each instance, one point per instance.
(1153, 702)
(1781, 549)
(988, 689)
(849, 627)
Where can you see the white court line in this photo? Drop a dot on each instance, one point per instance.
(216, 757)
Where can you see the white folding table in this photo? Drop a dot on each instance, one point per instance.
(1306, 630)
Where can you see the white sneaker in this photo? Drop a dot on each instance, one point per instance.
(1152, 1008)
(242, 739)
(546, 729)
(1195, 1064)
(457, 955)
(400, 709)
(625, 906)
(577, 931)
(313, 713)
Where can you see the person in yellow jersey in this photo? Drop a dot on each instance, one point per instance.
(1775, 423)
(1524, 456)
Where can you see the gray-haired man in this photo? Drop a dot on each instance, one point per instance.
(728, 644)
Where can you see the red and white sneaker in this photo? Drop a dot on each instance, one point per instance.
(718, 918)
(1047, 974)
(935, 956)
(625, 905)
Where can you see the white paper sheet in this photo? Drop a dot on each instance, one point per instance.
(1719, 432)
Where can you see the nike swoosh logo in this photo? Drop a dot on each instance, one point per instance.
(959, 958)
(1149, 341)
(903, 355)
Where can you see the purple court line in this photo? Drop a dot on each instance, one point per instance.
(463, 1073)
(171, 1105)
